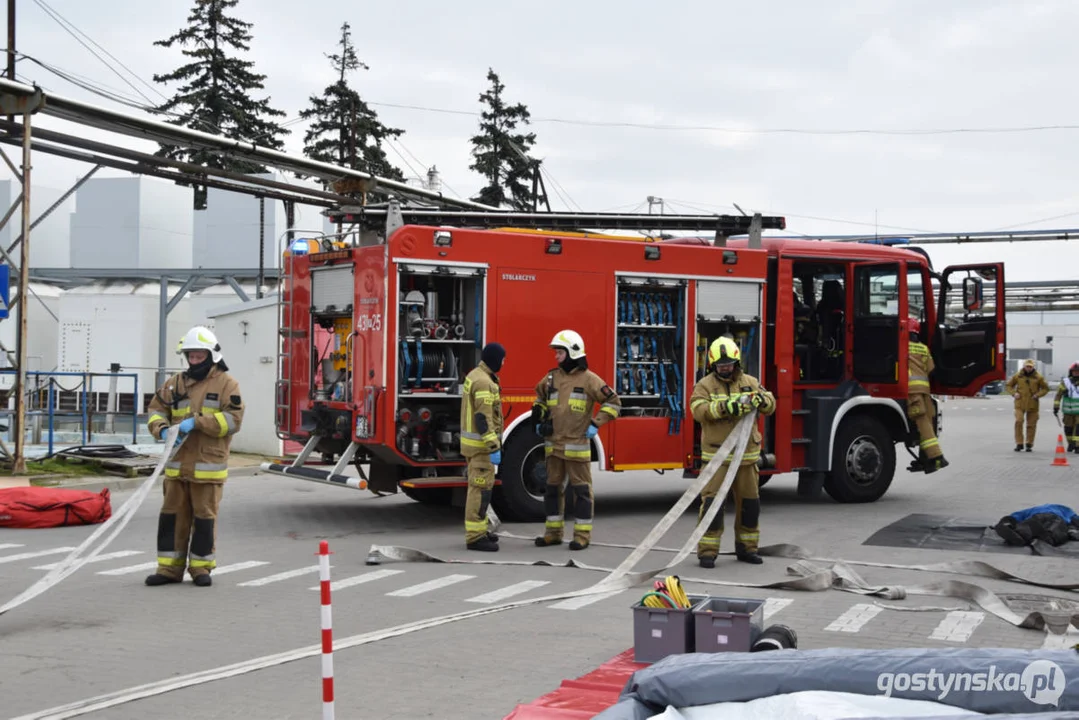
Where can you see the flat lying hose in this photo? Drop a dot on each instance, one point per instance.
(101, 452)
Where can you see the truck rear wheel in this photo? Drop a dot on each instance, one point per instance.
(523, 473)
(863, 461)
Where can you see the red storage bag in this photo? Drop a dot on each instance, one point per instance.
(44, 507)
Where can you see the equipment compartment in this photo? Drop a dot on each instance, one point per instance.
(439, 339)
(650, 347)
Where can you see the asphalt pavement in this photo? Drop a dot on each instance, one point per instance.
(101, 631)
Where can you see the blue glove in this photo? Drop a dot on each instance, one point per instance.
(164, 432)
(496, 457)
(591, 432)
(187, 426)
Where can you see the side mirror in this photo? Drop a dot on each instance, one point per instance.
(972, 293)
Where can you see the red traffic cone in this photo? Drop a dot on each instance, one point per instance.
(1060, 458)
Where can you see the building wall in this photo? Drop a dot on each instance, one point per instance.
(41, 333)
(50, 243)
(1028, 335)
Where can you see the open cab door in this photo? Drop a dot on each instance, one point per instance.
(969, 338)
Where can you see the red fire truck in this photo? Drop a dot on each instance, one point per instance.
(377, 336)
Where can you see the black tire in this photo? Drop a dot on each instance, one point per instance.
(863, 461)
(523, 473)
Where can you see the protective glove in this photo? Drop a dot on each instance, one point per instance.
(758, 400)
(187, 426)
(164, 432)
(591, 432)
(496, 457)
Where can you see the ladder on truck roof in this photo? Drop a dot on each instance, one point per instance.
(393, 216)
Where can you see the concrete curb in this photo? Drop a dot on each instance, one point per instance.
(121, 484)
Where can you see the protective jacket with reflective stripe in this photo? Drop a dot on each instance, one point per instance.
(481, 412)
(1029, 387)
(570, 399)
(218, 409)
(919, 366)
(711, 404)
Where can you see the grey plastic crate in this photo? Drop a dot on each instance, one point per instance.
(659, 632)
(727, 624)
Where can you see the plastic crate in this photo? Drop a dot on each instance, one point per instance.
(727, 624)
(659, 632)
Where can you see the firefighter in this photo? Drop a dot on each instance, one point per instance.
(562, 415)
(920, 406)
(718, 402)
(1069, 393)
(1027, 386)
(205, 402)
(481, 443)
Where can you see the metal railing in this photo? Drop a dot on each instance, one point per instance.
(46, 400)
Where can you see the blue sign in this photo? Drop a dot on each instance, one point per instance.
(5, 289)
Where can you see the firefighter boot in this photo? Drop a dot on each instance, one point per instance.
(937, 463)
(582, 511)
(159, 579)
(1030, 447)
(484, 544)
(747, 556)
(1019, 448)
(203, 580)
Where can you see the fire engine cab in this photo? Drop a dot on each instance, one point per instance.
(377, 335)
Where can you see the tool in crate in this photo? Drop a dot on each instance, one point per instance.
(668, 593)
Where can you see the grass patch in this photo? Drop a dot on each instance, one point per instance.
(47, 472)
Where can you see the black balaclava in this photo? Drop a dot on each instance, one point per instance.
(200, 370)
(493, 354)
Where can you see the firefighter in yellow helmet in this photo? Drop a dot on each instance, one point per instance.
(718, 402)
(1068, 397)
(562, 415)
(1027, 387)
(205, 402)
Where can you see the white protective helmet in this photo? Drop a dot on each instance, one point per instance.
(571, 342)
(200, 338)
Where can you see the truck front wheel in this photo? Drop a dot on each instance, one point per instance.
(863, 461)
(523, 474)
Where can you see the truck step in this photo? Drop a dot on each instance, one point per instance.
(439, 482)
(314, 475)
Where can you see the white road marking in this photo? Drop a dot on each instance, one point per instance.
(1061, 642)
(508, 591)
(99, 558)
(129, 569)
(359, 579)
(287, 575)
(957, 626)
(35, 554)
(8, 546)
(854, 619)
(430, 585)
(235, 567)
(577, 603)
(774, 605)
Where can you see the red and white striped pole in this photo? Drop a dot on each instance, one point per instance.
(327, 631)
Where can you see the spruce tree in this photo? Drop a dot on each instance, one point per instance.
(501, 151)
(344, 129)
(219, 94)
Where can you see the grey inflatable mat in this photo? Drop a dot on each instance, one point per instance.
(947, 532)
(1002, 681)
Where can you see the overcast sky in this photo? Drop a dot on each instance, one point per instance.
(584, 67)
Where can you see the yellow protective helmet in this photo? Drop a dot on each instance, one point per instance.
(723, 350)
(569, 341)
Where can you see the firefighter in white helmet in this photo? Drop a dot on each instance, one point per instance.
(562, 415)
(718, 402)
(205, 401)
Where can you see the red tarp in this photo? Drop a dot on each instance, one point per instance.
(45, 507)
(584, 697)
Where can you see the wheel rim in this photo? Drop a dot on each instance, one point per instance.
(864, 460)
(534, 472)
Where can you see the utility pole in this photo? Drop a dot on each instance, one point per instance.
(11, 46)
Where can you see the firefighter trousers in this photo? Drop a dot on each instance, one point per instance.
(1031, 419)
(481, 481)
(578, 476)
(187, 528)
(1071, 430)
(920, 409)
(747, 511)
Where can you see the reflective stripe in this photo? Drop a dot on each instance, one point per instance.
(609, 409)
(221, 423)
(555, 523)
(917, 381)
(180, 412)
(197, 561)
(578, 451)
(475, 525)
(164, 554)
(708, 541)
(172, 472)
(472, 442)
(552, 399)
(166, 561)
(749, 536)
(208, 403)
(928, 443)
(154, 418)
(696, 402)
(582, 527)
(211, 471)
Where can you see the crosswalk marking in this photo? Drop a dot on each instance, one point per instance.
(957, 626)
(854, 619)
(774, 605)
(360, 579)
(129, 569)
(9, 546)
(430, 585)
(235, 567)
(577, 603)
(99, 558)
(508, 591)
(1061, 642)
(35, 554)
(287, 575)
